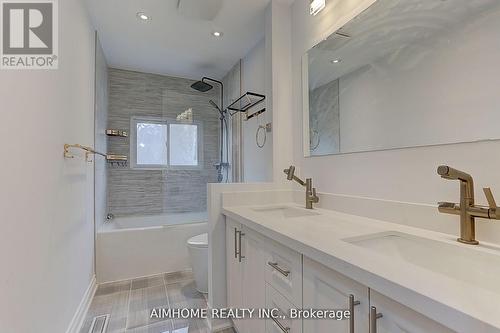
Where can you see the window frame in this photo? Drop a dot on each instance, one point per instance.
(167, 122)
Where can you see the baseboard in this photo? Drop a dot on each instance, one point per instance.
(83, 307)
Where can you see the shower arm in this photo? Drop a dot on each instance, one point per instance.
(221, 92)
(222, 119)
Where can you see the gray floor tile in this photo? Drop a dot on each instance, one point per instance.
(185, 326)
(185, 292)
(150, 281)
(228, 330)
(115, 305)
(178, 277)
(142, 301)
(112, 287)
(161, 327)
(203, 326)
(129, 304)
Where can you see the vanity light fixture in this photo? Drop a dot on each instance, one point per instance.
(143, 16)
(316, 6)
(217, 33)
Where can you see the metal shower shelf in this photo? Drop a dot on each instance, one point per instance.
(116, 132)
(245, 102)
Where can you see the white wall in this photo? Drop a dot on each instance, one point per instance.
(279, 54)
(46, 205)
(256, 161)
(405, 174)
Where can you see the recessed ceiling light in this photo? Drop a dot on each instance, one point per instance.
(143, 16)
(336, 61)
(217, 33)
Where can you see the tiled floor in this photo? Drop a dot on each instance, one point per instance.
(129, 304)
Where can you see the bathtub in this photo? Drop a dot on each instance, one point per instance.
(131, 247)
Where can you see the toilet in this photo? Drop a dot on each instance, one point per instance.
(198, 252)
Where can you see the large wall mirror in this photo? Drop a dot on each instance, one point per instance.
(405, 74)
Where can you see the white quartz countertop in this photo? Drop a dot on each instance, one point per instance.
(458, 305)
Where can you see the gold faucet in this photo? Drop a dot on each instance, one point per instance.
(311, 196)
(467, 210)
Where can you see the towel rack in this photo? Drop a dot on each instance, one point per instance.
(88, 151)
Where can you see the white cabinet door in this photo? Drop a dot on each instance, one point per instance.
(233, 269)
(274, 300)
(328, 289)
(253, 275)
(397, 318)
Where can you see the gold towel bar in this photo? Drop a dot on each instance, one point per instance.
(88, 151)
(120, 160)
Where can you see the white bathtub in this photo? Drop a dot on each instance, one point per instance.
(130, 247)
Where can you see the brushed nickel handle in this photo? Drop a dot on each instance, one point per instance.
(279, 269)
(280, 325)
(352, 304)
(235, 244)
(373, 319)
(240, 257)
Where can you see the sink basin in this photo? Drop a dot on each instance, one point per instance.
(285, 212)
(478, 268)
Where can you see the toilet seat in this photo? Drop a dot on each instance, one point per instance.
(199, 241)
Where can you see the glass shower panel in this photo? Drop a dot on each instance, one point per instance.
(194, 147)
(183, 145)
(151, 144)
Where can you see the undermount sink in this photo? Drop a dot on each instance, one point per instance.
(284, 212)
(478, 268)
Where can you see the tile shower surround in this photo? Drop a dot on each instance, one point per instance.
(151, 192)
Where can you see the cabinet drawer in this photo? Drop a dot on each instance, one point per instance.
(274, 300)
(397, 318)
(284, 271)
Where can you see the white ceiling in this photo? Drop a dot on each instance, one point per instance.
(174, 42)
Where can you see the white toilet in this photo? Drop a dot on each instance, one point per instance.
(198, 252)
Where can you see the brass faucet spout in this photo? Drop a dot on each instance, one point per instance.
(311, 196)
(450, 173)
(467, 210)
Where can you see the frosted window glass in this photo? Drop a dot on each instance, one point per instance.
(183, 145)
(151, 144)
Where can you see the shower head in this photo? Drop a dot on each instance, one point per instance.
(215, 105)
(201, 86)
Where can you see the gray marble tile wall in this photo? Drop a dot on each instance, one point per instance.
(324, 119)
(149, 192)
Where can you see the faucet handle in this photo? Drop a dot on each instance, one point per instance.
(315, 197)
(489, 196)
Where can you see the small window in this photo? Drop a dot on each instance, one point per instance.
(151, 147)
(161, 143)
(183, 145)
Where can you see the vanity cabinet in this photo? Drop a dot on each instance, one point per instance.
(328, 289)
(325, 288)
(397, 318)
(245, 257)
(262, 273)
